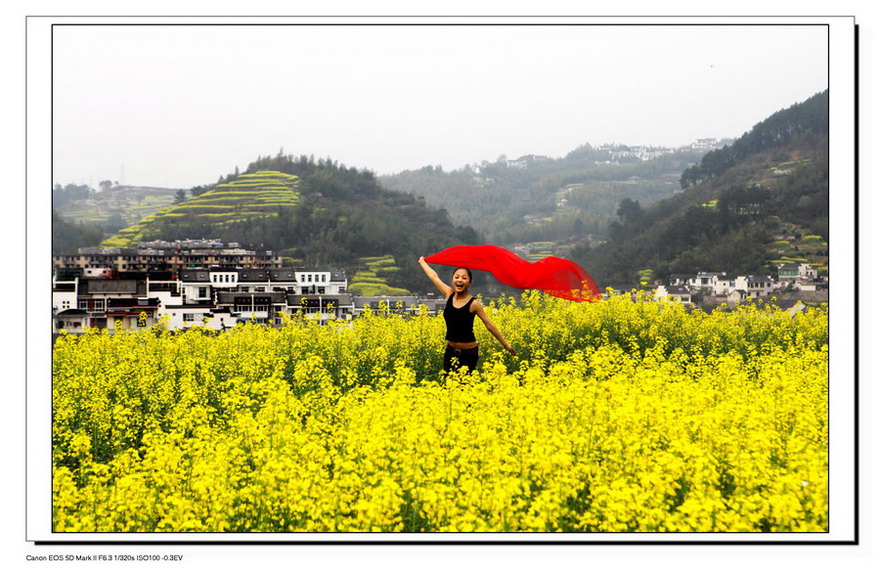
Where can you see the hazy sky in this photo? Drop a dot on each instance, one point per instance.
(178, 106)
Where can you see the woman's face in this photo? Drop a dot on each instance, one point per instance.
(461, 280)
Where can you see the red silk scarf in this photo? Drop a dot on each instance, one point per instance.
(555, 276)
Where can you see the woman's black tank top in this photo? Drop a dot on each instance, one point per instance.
(459, 322)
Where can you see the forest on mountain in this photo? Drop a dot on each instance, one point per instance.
(547, 199)
(69, 236)
(736, 204)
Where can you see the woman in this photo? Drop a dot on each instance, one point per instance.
(461, 307)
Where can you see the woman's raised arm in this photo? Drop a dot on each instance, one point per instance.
(432, 275)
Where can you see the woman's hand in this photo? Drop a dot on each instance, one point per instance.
(509, 348)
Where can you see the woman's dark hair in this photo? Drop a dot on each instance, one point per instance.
(469, 273)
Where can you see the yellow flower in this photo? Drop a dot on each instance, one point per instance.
(616, 416)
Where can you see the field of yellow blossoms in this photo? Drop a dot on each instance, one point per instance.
(615, 416)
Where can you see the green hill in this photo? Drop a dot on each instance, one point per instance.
(248, 196)
(315, 213)
(744, 208)
(111, 207)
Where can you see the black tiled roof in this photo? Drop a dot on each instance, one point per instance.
(252, 275)
(114, 286)
(194, 275)
(282, 274)
(72, 313)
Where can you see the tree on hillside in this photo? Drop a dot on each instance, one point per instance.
(809, 117)
(63, 196)
(67, 236)
(630, 212)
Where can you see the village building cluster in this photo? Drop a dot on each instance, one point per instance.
(202, 283)
(205, 283)
(719, 286)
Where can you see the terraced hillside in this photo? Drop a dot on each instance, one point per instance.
(372, 281)
(116, 207)
(257, 195)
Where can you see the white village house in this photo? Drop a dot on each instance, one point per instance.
(676, 293)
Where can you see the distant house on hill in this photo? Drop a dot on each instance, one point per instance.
(720, 284)
(724, 284)
(677, 293)
(706, 144)
(524, 161)
(707, 280)
(755, 286)
(791, 272)
(684, 279)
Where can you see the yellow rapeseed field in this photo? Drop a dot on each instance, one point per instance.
(616, 416)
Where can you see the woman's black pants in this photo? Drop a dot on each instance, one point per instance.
(454, 359)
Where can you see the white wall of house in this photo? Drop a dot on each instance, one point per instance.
(753, 286)
(321, 279)
(706, 280)
(64, 300)
(221, 321)
(224, 279)
(807, 271)
(179, 318)
(662, 293)
(196, 291)
(723, 287)
(165, 299)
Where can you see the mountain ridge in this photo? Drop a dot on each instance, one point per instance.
(670, 212)
(744, 208)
